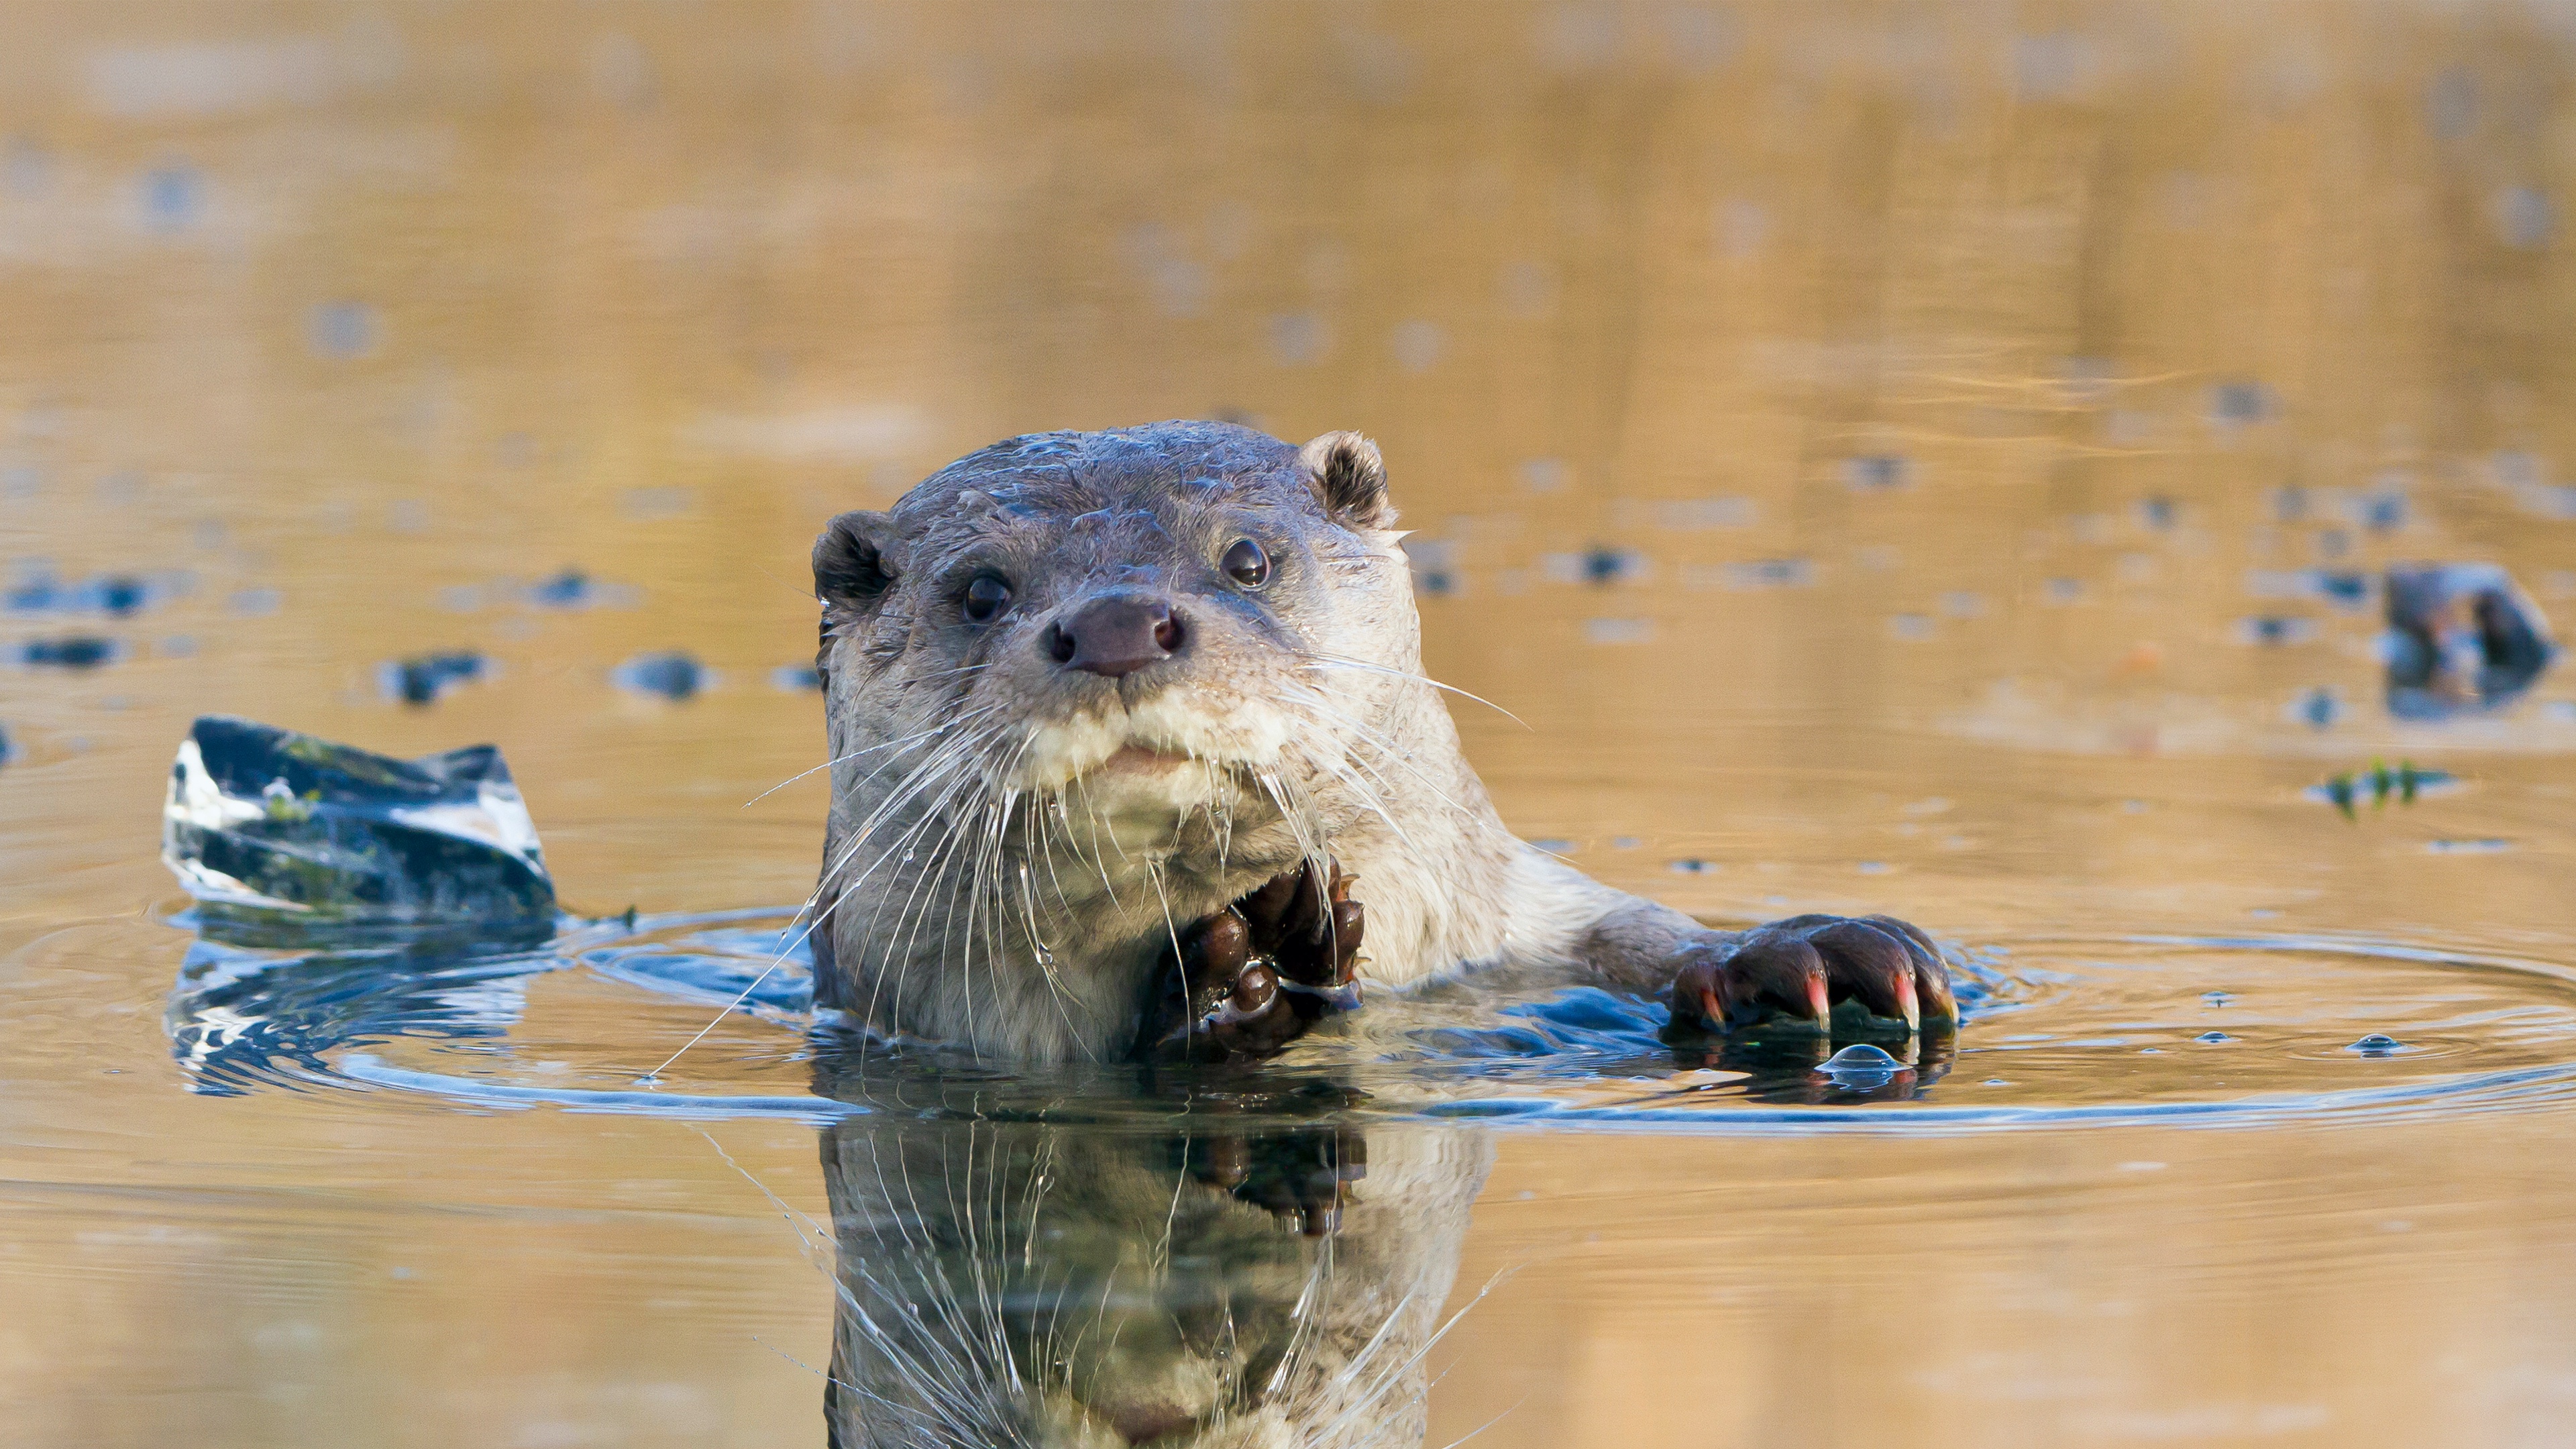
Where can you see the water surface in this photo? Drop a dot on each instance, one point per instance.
(1934, 463)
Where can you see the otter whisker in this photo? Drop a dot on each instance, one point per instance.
(845, 759)
(1391, 1376)
(951, 846)
(784, 950)
(1335, 661)
(934, 813)
(1369, 798)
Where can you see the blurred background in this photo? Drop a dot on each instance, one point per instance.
(1930, 458)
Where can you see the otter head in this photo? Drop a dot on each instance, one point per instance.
(1159, 618)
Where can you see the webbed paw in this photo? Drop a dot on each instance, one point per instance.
(1254, 976)
(1862, 972)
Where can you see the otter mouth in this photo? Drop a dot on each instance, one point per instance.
(1141, 760)
(1160, 747)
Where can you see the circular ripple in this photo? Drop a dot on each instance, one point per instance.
(2061, 1031)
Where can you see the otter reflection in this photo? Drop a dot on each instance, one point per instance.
(1246, 1268)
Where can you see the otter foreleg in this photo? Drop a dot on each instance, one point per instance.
(1804, 968)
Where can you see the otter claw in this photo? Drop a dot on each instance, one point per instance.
(1256, 975)
(1796, 973)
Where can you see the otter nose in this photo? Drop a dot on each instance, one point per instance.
(1114, 635)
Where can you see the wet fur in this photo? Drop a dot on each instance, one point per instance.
(987, 882)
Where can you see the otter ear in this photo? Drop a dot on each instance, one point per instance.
(1347, 474)
(850, 567)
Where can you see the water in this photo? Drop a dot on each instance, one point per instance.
(1935, 464)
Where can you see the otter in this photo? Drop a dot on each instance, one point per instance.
(1088, 691)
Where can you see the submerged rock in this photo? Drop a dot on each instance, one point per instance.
(272, 828)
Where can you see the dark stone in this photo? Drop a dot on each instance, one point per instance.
(422, 679)
(77, 651)
(567, 590)
(674, 676)
(266, 826)
(2462, 638)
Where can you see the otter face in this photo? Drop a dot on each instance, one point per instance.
(1145, 611)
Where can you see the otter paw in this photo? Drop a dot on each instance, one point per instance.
(1301, 1177)
(1254, 976)
(1865, 972)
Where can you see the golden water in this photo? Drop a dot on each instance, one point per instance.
(2029, 345)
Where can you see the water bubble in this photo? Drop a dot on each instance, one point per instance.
(2213, 1037)
(2215, 998)
(2377, 1045)
(1861, 1054)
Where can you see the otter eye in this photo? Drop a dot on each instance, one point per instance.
(1246, 564)
(986, 597)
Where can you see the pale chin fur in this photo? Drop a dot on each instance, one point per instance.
(1249, 736)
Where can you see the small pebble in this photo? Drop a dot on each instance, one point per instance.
(567, 590)
(422, 679)
(673, 676)
(77, 651)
